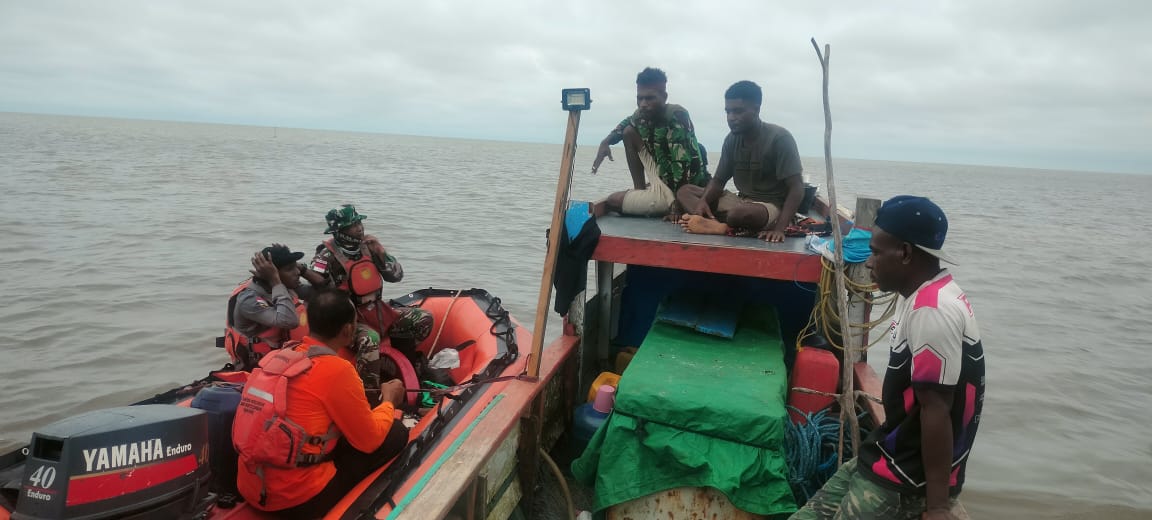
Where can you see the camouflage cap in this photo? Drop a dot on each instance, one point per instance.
(342, 217)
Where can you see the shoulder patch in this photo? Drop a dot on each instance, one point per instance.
(262, 302)
(320, 265)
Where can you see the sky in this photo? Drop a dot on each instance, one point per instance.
(1031, 83)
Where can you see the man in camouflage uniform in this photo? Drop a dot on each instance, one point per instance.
(408, 325)
(661, 148)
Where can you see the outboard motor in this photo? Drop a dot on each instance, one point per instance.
(141, 462)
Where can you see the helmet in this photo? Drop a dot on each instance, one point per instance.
(342, 217)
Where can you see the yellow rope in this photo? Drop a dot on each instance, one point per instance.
(825, 317)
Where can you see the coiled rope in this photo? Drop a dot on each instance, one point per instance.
(825, 318)
(811, 451)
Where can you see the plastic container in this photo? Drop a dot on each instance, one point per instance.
(605, 378)
(220, 401)
(815, 369)
(588, 417)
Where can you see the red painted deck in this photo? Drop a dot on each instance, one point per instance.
(652, 242)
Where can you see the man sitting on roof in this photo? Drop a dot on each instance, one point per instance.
(761, 158)
(338, 438)
(661, 149)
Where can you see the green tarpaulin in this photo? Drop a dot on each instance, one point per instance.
(697, 410)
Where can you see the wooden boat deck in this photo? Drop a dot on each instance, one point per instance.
(653, 242)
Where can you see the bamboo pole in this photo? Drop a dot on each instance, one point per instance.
(847, 393)
(563, 186)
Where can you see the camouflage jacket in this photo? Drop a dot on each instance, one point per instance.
(672, 143)
(325, 264)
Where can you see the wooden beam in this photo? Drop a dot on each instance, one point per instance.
(445, 488)
(756, 263)
(859, 310)
(604, 273)
(868, 382)
(559, 208)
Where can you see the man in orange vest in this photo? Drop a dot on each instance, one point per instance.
(266, 310)
(326, 402)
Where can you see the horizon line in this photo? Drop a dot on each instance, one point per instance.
(550, 143)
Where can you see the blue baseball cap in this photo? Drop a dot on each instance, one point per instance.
(915, 220)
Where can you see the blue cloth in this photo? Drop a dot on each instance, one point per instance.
(578, 214)
(855, 246)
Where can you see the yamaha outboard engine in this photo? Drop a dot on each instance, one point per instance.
(139, 462)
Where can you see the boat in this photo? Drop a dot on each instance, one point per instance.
(756, 301)
(155, 459)
(479, 454)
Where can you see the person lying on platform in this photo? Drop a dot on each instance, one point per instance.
(913, 465)
(359, 264)
(344, 438)
(266, 310)
(661, 148)
(762, 160)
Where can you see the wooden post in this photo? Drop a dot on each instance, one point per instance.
(847, 393)
(604, 274)
(563, 186)
(859, 310)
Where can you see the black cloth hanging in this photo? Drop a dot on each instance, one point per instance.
(572, 264)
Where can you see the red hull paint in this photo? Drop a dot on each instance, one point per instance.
(778, 265)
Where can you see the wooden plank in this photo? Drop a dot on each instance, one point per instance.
(719, 317)
(681, 310)
(757, 263)
(868, 382)
(501, 465)
(447, 485)
(604, 273)
(563, 186)
(859, 310)
(503, 507)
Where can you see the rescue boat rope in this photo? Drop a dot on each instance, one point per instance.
(825, 318)
(811, 451)
(443, 321)
(859, 393)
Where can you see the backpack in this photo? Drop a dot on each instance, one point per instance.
(261, 432)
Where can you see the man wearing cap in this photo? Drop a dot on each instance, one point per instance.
(762, 161)
(266, 310)
(358, 263)
(913, 465)
(661, 148)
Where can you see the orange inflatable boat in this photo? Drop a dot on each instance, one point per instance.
(170, 456)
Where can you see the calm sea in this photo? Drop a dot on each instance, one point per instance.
(122, 239)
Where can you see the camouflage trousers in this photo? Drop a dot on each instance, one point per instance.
(413, 325)
(849, 495)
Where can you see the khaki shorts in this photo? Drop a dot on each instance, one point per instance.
(730, 200)
(654, 201)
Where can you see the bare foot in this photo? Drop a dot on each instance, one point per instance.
(703, 226)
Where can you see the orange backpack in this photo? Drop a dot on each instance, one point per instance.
(262, 433)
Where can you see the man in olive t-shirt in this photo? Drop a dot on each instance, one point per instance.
(762, 160)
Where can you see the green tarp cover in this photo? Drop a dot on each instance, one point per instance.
(697, 410)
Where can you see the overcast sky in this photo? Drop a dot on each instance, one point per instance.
(1047, 84)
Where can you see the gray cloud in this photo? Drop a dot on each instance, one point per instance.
(1056, 84)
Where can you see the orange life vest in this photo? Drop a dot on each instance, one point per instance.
(245, 350)
(363, 281)
(262, 433)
